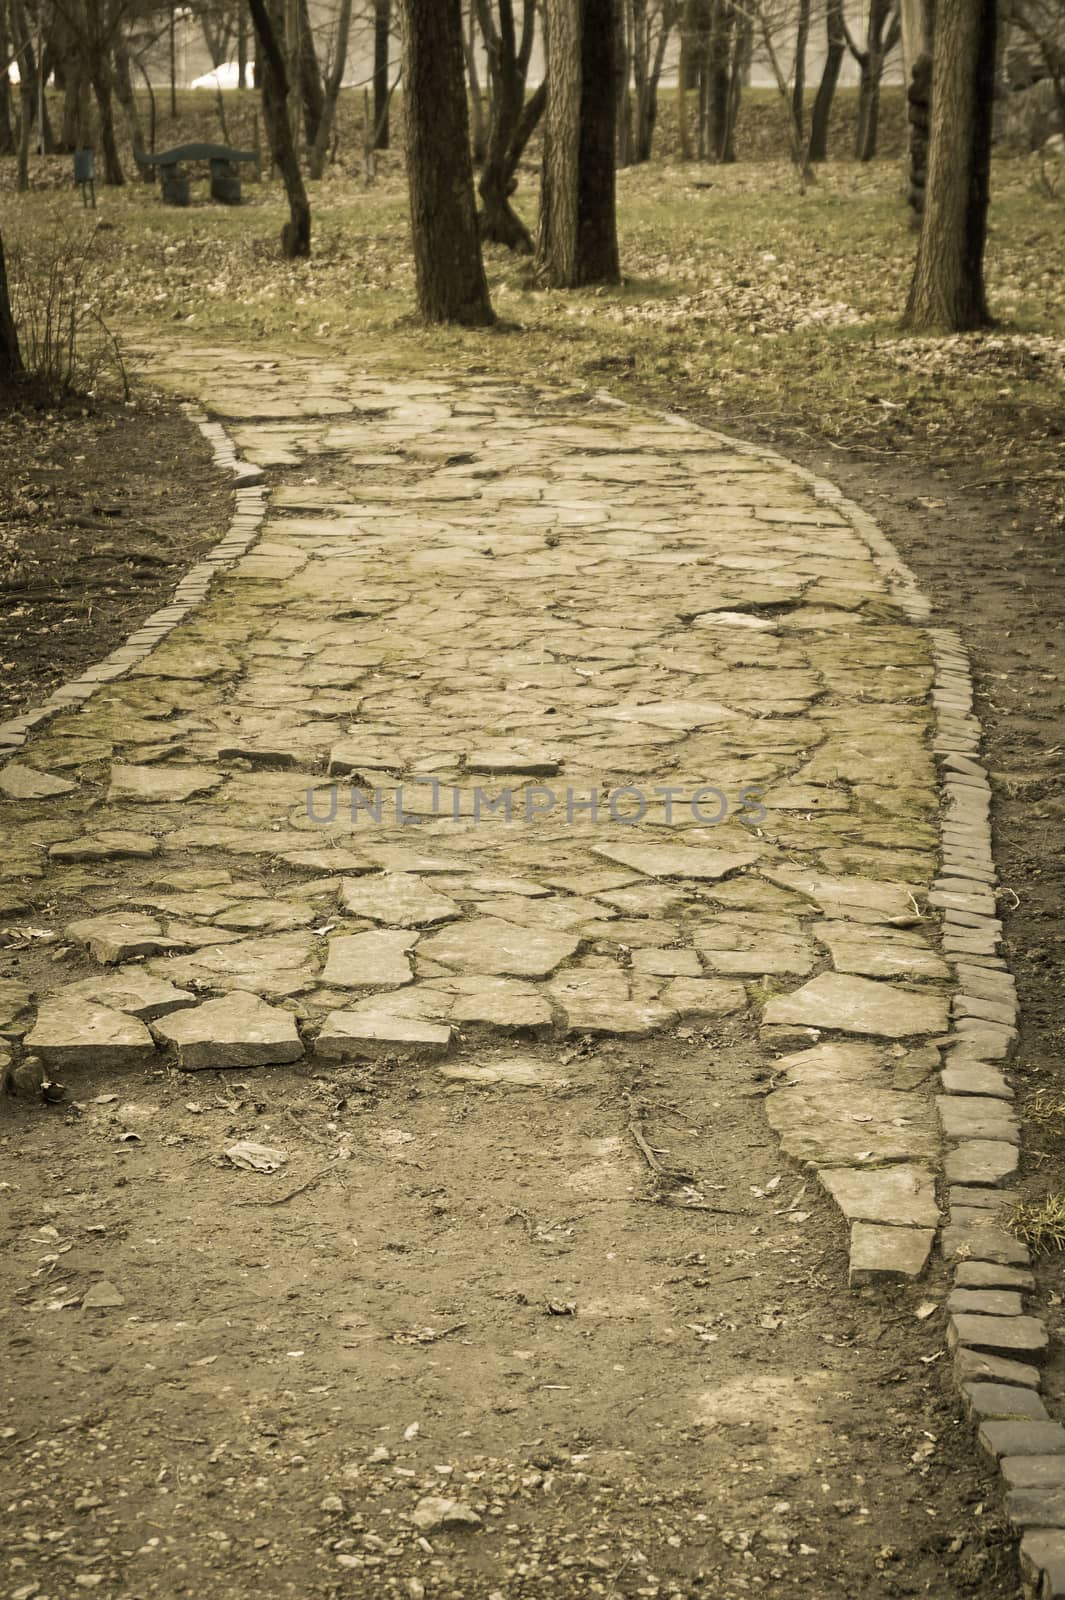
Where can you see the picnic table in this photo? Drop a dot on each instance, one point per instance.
(222, 161)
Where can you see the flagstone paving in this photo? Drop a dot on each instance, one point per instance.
(523, 715)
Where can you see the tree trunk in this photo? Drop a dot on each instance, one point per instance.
(7, 132)
(578, 216)
(242, 46)
(10, 355)
(316, 163)
(100, 74)
(449, 272)
(508, 68)
(718, 55)
(478, 125)
(296, 234)
(647, 70)
(826, 89)
(312, 89)
(382, 23)
(622, 70)
(798, 77)
(127, 99)
(683, 68)
(947, 292)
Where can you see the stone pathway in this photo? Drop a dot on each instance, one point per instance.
(511, 716)
(527, 716)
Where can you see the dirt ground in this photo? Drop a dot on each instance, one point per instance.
(632, 1400)
(102, 510)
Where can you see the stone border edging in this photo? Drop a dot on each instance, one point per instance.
(994, 1342)
(193, 589)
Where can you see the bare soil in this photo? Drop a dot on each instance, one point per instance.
(103, 508)
(637, 1389)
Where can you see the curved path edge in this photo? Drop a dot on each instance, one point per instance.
(996, 1345)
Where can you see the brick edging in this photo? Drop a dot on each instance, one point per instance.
(191, 592)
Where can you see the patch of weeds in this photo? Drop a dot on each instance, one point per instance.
(1048, 1106)
(1039, 1224)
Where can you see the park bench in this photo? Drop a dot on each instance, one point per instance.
(225, 180)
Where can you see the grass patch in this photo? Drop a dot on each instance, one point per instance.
(1039, 1224)
(744, 303)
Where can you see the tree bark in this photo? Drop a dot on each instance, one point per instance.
(126, 98)
(449, 272)
(312, 89)
(316, 162)
(10, 355)
(509, 128)
(836, 45)
(578, 215)
(296, 234)
(623, 19)
(798, 77)
(382, 24)
(7, 132)
(947, 292)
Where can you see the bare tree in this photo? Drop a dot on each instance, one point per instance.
(10, 355)
(947, 292)
(316, 159)
(835, 49)
(449, 272)
(382, 38)
(296, 234)
(882, 34)
(511, 121)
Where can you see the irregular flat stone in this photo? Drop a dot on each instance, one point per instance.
(860, 1005)
(679, 861)
(753, 952)
(1003, 1402)
(880, 952)
(490, 945)
(977, 1117)
(899, 1196)
(240, 1030)
(1042, 1558)
(878, 1252)
(991, 1275)
(852, 899)
(976, 1366)
(369, 960)
(268, 916)
(829, 1126)
(117, 936)
(77, 1033)
(327, 860)
(159, 784)
(15, 1002)
(1009, 1336)
(276, 964)
(986, 1302)
(983, 1242)
(1033, 1471)
(19, 782)
(401, 899)
(667, 963)
(520, 759)
(697, 999)
(981, 1161)
(348, 1034)
(114, 844)
(974, 1078)
(500, 1003)
(131, 989)
(1022, 1438)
